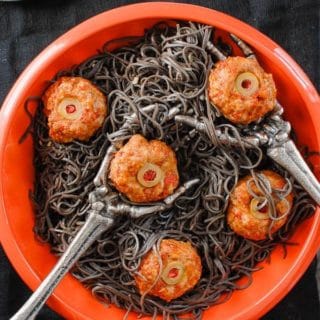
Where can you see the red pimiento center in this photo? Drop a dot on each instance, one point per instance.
(246, 84)
(70, 108)
(149, 175)
(173, 273)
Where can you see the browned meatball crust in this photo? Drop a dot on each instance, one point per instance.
(241, 90)
(144, 170)
(181, 270)
(254, 224)
(75, 109)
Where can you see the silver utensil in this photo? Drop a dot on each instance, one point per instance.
(104, 211)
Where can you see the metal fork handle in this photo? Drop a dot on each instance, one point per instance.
(288, 156)
(93, 227)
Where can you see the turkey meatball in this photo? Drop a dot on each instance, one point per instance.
(75, 108)
(249, 216)
(241, 90)
(180, 272)
(144, 171)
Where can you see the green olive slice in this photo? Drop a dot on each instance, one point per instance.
(150, 175)
(173, 273)
(262, 213)
(70, 108)
(247, 83)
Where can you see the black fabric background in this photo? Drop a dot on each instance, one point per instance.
(28, 27)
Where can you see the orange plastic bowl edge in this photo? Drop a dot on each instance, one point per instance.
(273, 55)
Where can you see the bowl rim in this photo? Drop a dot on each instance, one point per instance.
(157, 10)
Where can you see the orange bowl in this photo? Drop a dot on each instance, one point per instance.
(33, 260)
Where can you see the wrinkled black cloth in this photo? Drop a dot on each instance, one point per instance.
(28, 27)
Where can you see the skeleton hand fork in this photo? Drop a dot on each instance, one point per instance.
(103, 213)
(272, 134)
